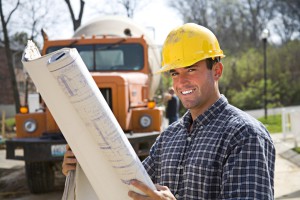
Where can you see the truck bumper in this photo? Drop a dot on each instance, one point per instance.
(53, 149)
(35, 149)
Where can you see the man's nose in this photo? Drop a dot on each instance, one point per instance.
(183, 78)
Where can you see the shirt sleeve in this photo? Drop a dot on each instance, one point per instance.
(152, 161)
(249, 170)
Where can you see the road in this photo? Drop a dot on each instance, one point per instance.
(287, 184)
(271, 111)
(287, 173)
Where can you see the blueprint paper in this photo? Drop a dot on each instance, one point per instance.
(86, 121)
(69, 190)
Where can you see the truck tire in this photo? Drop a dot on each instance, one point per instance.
(40, 176)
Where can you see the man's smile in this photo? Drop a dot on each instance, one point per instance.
(187, 91)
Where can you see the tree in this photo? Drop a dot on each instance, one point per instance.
(76, 22)
(9, 52)
(33, 15)
(129, 6)
(196, 11)
(255, 15)
(36, 14)
(288, 20)
(237, 24)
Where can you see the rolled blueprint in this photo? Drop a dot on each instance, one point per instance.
(86, 121)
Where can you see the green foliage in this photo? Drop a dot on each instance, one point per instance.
(285, 69)
(246, 97)
(243, 77)
(164, 85)
(242, 80)
(167, 80)
(297, 149)
(10, 122)
(272, 123)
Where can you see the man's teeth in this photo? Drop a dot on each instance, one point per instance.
(187, 92)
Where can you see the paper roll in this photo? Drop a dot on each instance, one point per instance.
(86, 121)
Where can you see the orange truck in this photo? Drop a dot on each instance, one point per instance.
(122, 60)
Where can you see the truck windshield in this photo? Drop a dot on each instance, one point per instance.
(109, 57)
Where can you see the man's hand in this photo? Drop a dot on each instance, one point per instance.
(161, 193)
(69, 162)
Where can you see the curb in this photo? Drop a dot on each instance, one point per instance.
(291, 156)
(284, 148)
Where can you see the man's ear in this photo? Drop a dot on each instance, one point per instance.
(217, 70)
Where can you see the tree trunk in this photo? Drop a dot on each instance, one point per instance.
(10, 59)
(76, 22)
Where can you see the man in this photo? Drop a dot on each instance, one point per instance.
(172, 110)
(215, 151)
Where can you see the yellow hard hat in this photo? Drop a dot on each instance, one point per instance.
(187, 45)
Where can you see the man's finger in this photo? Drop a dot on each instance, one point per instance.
(160, 187)
(68, 167)
(142, 187)
(137, 196)
(69, 154)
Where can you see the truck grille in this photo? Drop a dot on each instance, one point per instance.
(107, 94)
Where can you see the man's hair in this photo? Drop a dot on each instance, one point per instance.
(210, 62)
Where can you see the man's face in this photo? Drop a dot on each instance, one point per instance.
(196, 86)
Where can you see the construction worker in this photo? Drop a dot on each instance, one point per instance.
(215, 151)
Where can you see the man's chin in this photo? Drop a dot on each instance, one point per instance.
(187, 105)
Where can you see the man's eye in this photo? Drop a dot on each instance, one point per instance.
(173, 74)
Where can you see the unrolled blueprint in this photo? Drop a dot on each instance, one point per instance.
(86, 121)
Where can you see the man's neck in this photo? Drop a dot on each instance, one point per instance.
(195, 112)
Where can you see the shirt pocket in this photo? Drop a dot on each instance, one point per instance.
(203, 180)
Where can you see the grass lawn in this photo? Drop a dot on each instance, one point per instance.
(297, 149)
(272, 123)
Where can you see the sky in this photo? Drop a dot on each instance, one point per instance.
(161, 17)
(156, 17)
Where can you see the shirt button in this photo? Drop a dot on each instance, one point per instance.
(189, 139)
(201, 127)
(177, 196)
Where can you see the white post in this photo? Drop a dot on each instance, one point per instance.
(3, 125)
(295, 126)
(283, 123)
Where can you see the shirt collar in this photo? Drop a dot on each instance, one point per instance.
(207, 116)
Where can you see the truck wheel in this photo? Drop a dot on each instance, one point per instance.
(40, 176)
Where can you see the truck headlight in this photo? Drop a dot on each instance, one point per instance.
(30, 125)
(145, 121)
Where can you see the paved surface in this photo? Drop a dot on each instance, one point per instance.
(272, 111)
(287, 172)
(7, 164)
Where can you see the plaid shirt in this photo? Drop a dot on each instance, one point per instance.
(226, 155)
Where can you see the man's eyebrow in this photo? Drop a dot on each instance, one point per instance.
(191, 66)
(188, 67)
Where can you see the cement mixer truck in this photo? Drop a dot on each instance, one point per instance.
(122, 60)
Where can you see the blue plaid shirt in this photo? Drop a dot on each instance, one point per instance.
(226, 155)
